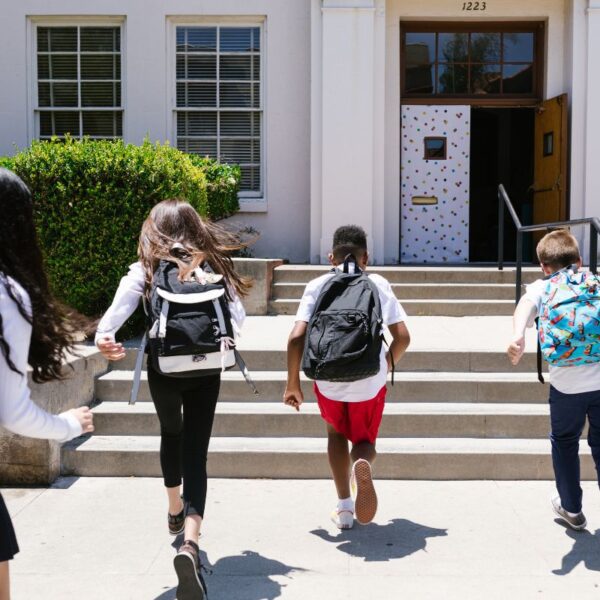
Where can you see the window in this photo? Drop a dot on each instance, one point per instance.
(218, 97)
(435, 148)
(79, 82)
(498, 60)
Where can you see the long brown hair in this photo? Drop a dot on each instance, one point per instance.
(54, 329)
(174, 231)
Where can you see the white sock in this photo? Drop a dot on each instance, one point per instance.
(571, 514)
(346, 504)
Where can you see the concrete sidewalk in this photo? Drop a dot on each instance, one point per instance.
(95, 538)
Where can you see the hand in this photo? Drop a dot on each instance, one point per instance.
(110, 349)
(516, 349)
(85, 417)
(293, 397)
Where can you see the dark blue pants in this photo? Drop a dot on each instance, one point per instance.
(568, 413)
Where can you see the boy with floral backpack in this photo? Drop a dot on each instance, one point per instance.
(567, 304)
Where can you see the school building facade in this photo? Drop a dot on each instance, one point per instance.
(399, 115)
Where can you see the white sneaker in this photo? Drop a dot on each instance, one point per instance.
(574, 521)
(343, 518)
(365, 497)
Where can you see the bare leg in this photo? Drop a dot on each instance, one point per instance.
(175, 502)
(4, 581)
(192, 528)
(364, 450)
(339, 461)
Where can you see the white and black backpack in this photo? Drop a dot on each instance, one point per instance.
(190, 332)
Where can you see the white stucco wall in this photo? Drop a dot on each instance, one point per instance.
(146, 92)
(556, 14)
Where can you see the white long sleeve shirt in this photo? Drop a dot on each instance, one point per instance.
(18, 412)
(127, 299)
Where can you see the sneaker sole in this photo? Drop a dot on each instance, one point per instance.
(569, 524)
(365, 505)
(189, 586)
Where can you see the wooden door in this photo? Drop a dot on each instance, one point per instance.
(550, 161)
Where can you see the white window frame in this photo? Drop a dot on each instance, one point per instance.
(35, 21)
(249, 201)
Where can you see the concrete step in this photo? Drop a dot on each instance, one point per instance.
(400, 274)
(420, 291)
(305, 458)
(256, 419)
(437, 308)
(413, 360)
(409, 387)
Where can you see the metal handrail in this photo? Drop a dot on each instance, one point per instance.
(504, 201)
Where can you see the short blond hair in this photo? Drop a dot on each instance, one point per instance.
(558, 249)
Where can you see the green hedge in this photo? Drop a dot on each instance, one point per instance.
(91, 197)
(222, 185)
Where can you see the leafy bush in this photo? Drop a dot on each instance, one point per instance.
(222, 186)
(90, 199)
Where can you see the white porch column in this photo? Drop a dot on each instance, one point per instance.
(347, 122)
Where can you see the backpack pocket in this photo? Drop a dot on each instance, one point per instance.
(196, 330)
(339, 336)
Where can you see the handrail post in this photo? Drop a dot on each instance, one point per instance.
(519, 259)
(593, 249)
(500, 231)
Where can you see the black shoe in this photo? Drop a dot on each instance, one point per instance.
(191, 584)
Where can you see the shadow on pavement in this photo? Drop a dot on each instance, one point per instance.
(586, 550)
(380, 543)
(246, 576)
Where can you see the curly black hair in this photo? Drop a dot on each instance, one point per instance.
(349, 239)
(21, 261)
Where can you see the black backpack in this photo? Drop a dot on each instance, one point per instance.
(345, 332)
(189, 327)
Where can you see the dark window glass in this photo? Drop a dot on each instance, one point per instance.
(485, 79)
(485, 48)
(453, 79)
(518, 47)
(420, 80)
(453, 47)
(237, 39)
(419, 49)
(548, 143)
(200, 39)
(100, 39)
(517, 79)
(435, 148)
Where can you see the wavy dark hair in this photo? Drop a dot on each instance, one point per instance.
(53, 333)
(174, 231)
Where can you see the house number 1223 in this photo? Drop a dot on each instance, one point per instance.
(474, 5)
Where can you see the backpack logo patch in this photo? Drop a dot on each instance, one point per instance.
(198, 358)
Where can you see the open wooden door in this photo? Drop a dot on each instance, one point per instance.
(550, 162)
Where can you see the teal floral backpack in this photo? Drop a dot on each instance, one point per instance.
(569, 321)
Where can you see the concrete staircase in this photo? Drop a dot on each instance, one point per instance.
(457, 409)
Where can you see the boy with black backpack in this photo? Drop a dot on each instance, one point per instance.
(338, 338)
(567, 305)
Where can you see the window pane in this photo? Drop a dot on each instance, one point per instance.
(240, 151)
(102, 123)
(57, 66)
(200, 39)
(517, 79)
(201, 94)
(419, 49)
(59, 123)
(100, 66)
(235, 67)
(453, 47)
(256, 97)
(250, 179)
(100, 39)
(237, 39)
(43, 65)
(61, 94)
(196, 123)
(100, 94)
(201, 67)
(485, 79)
(518, 47)
(42, 39)
(419, 80)
(202, 147)
(237, 123)
(452, 79)
(236, 95)
(180, 33)
(63, 39)
(485, 47)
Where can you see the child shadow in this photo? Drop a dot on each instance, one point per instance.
(380, 543)
(246, 576)
(586, 550)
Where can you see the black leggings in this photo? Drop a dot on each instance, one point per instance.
(184, 438)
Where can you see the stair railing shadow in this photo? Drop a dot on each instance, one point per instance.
(586, 550)
(379, 543)
(226, 578)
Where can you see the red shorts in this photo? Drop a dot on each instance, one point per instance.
(356, 421)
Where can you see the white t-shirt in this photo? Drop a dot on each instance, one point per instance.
(391, 312)
(568, 380)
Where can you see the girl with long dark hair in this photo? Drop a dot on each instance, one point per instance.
(34, 330)
(175, 232)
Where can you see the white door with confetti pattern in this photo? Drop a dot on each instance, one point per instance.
(435, 151)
